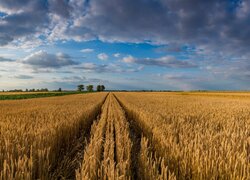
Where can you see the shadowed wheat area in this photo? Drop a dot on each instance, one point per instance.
(126, 136)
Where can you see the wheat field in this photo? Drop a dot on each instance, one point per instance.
(126, 135)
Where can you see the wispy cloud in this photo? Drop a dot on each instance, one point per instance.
(106, 68)
(21, 76)
(166, 61)
(87, 50)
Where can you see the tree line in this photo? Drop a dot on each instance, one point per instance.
(81, 87)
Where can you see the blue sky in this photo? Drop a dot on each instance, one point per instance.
(144, 44)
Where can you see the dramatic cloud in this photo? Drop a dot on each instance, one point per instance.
(42, 59)
(87, 50)
(166, 61)
(163, 21)
(23, 19)
(216, 21)
(5, 39)
(103, 56)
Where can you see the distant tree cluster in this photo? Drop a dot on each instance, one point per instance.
(100, 88)
(80, 88)
(90, 88)
(37, 90)
(16, 90)
(29, 90)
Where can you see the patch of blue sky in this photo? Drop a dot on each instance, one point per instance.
(233, 5)
(137, 50)
(2, 14)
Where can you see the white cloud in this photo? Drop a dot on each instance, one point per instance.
(106, 68)
(87, 50)
(117, 55)
(42, 59)
(129, 59)
(165, 61)
(103, 56)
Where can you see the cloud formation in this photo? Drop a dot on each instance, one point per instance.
(106, 68)
(117, 55)
(103, 56)
(21, 76)
(163, 21)
(165, 61)
(42, 59)
(88, 50)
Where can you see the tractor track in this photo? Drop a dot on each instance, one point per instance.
(71, 159)
(137, 133)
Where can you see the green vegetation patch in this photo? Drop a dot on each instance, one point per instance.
(36, 95)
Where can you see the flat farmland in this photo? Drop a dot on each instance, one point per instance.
(127, 135)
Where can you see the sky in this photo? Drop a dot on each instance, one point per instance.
(125, 44)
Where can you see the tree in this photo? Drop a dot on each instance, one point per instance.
(80, 87)
(102, 87)
(98, 88)
(90, 88)
(60, 90)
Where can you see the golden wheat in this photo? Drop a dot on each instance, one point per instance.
(136, 136)
(151, 166)
(35, 133)
(198, 137)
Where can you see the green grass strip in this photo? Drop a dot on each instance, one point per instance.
(36, 95)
